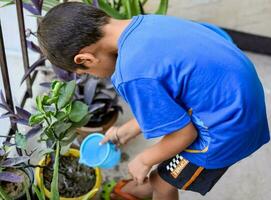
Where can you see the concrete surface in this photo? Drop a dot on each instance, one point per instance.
(244, 15)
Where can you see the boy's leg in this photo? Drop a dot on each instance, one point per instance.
(161, 189)
(140, 191)
(154, 187)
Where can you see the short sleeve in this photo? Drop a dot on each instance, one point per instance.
(156, 111)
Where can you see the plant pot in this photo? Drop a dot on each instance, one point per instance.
(90, 194)
(27, 173)
(86, 130)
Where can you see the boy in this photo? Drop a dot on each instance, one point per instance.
(182, 81)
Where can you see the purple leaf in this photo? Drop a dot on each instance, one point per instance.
(9, 144)
(2, 97)
(89, 90)
(6, 115)
(108, 84)
(4, 104)
(32, 132)
(39, 62)
(31, 9)
(19, 121)
(31, 45)
(9, 162)
(63, 74)
(2, 152)
(95, 3)
(96, 106)
(23, 114)
(10, 177)
(45, 84)
(38, 4)
(110, 93)
(118, 108)
(102, 96)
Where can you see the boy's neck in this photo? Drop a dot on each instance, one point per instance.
(112, 32)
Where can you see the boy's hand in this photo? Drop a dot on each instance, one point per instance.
(114, 136)
(138, 169)
(121, 135)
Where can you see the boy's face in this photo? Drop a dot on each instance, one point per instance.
(99, 62)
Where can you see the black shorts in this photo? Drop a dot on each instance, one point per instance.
(185, 175)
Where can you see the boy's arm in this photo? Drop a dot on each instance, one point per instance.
(123, 134)
(167, 147)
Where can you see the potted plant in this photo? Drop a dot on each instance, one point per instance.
(60, 115)
(16, 173)
(15, 179)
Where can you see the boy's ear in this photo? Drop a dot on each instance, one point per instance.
(86, 59)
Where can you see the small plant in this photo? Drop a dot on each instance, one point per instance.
(9, 168)
(59, 115)
(126, 9)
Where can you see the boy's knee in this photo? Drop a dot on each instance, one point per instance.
(159, 185)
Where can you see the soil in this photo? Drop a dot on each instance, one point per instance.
(74, 179)
(15, 190)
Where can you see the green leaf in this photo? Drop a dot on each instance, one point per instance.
(83, 122)
(54, 184)
(87, 1)
(69, 138)
(135, 7)
(78, 112)
(163, 6)
(49, 133)
(37, 192)
(36, 119)
(60, 115)
(68, 109)
(45, 151)
(66, 93)
(127, 7)
(39, 103)
(50, 100)
(109, 10)
(56, 86)
(20, 140)
(26, 190)
(61, 127)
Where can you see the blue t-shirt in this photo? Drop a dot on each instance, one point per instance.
(167, 67)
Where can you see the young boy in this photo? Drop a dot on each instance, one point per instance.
(182, 81)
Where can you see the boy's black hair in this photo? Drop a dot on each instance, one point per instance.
(66, 29)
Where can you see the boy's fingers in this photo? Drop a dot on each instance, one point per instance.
(107, 136)
(104, 140)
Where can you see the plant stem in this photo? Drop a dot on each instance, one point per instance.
(54, 184)
(3, 194)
